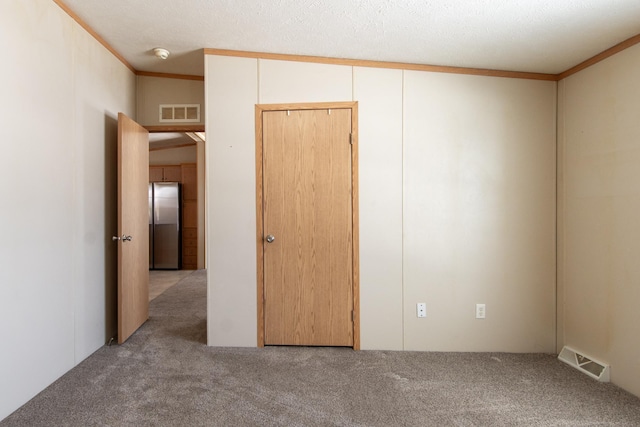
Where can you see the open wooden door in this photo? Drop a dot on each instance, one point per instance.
(133, 227)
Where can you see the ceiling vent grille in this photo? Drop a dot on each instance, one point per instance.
(179, 113)
(595, 369)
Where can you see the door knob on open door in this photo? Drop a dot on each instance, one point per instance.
(270, 238)
(123, 238)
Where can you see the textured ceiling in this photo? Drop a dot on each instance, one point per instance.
(545, 36)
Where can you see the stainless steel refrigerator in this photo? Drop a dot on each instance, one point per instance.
(164, 226)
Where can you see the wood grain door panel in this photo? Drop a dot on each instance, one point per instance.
(133, 216)
(307, 206)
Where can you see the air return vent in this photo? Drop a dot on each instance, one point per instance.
(179, 113)
(595, 369)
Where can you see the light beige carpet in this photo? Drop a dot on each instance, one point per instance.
(165, 375)
(161, 280)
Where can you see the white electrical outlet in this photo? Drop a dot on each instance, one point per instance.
(422, 309)
(481, 311)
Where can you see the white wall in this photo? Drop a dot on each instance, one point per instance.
(457, 181)
(599, 136)
(231, 91)
(153, 91)
(61, 93)
(379, 96)
(479, 212)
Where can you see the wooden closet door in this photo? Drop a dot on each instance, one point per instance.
(307, 208)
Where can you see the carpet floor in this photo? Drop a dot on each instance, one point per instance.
(165, 375)
(161, 280)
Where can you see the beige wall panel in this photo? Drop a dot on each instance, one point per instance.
(201, 151)
(153, 91)
(103, 87)
(36, 304)
(560, 219)
(601, 139)
(479, 201)
(174, 156)
(231, 95)
(379, 94)
(479, 211)
(289, 82)
(61, 92)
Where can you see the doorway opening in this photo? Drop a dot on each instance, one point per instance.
(176, 155)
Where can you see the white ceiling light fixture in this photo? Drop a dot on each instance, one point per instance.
(161, 53)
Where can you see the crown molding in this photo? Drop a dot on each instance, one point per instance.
(95, 35)
(383, 64)
(169, 75)
(600, 57)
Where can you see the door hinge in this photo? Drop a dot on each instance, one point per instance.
(353, 317)
(351, 138)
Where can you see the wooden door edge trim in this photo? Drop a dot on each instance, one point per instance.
(259, 227)
(259, 109)
(119, 255)
(355, 246)
(305, 106)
